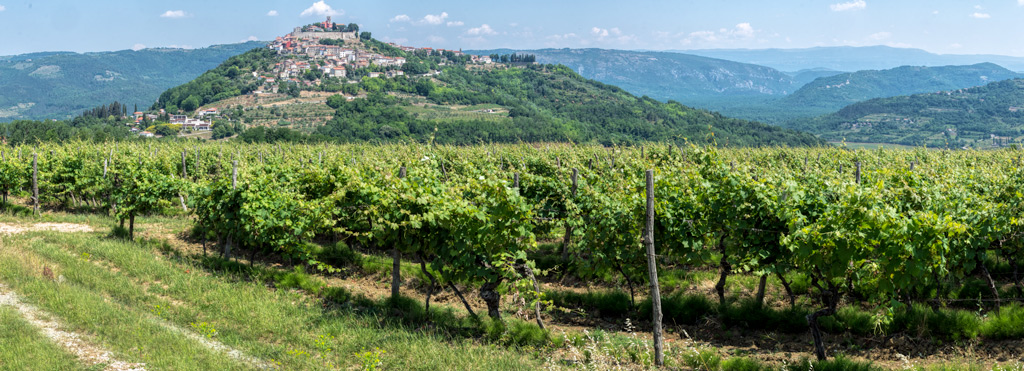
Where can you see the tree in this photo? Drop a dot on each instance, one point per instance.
(191, 104)
(165, 130)
(365, 36)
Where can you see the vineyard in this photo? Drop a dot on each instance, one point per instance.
(825, 243)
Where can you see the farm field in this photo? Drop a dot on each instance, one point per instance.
(187, 255)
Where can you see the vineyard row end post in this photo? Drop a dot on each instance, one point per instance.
(652, 269)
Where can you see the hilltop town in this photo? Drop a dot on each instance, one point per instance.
(327, 50)
(306, 66)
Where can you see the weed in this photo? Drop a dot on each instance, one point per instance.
(370, 360)
(205, 329)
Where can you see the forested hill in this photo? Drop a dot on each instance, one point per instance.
(834, 92)
(664, 76)
(447, 99)
(62, 84)
(985, 116)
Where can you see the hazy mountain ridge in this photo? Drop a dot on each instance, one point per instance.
(660, 75)
(62, 84)
(849, 58)
(834, 92)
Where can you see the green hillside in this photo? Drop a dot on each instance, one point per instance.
(61, 85)
(528, 102)
(834, 92)
(990, 115)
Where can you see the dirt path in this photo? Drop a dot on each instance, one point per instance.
(86, 351)
(9, 229)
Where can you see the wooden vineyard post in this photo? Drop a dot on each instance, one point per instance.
(396, 257)
(234, 184)
(567, 240)
(858, 172)
(35, 183)
(652, 269)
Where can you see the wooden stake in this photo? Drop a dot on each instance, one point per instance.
(35, 183)
(652, 269)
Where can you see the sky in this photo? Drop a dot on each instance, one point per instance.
(938, 26)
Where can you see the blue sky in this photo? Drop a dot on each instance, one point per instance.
(940, 26)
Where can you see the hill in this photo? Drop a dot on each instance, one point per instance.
(447, 97)
(849, 58)
(828, 94)
(834, 92)
(61, 85)
(990, 115)
(664, 76)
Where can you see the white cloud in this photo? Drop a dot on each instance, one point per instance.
(435, 39)
(599, 32)
(853, 5)
(955, 45)
(481, 31)
(456, 24)
(740, 31)
(174, 14)
(320, 8)
(981, 15)
(138, 47)
(400, 18)
(880, 35)
(3, 8)
(434, 19)
(1020, 2)
(744, 30)
(251, 38)
(562, 37)
(272, 13)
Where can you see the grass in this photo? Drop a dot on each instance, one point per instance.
(837, 363)
(130, 296)
(26, 349)
(680, 309)
(1008, 324)
(602, 303)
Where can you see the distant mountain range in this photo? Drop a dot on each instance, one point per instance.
(981, 116)
(762, 93)
(63, 84)
(834, 92)
(666, 76)
(849, 58)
